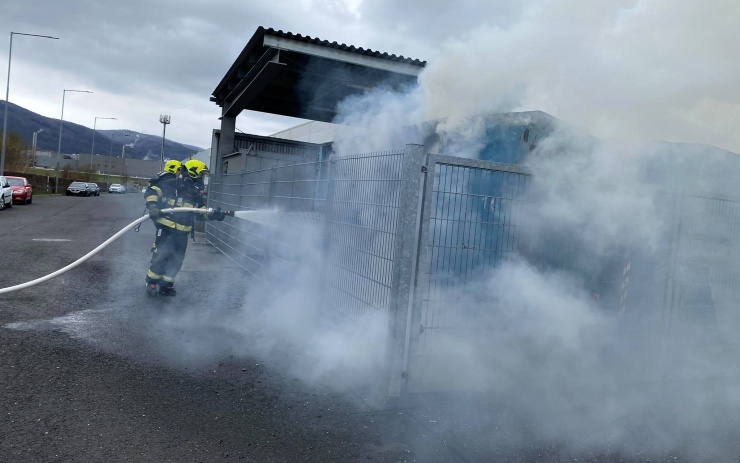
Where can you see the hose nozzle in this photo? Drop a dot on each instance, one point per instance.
(218, 210)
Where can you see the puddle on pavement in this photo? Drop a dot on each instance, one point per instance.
(167, 337)
(88, 325)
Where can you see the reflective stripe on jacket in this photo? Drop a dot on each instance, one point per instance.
(168, 192)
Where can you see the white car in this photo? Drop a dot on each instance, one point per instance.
(117, 188)
(6, 200)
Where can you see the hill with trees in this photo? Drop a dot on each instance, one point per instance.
(78, 139)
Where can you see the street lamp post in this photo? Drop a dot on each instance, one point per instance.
(110, 155)
(34, 144)
(59, 147)
(7, 94)
(92, 151)
(123, 159)
(164, 119)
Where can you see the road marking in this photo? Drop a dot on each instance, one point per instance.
(53, 240)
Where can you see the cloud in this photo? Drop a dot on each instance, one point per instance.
(140, 59)
(631, 68)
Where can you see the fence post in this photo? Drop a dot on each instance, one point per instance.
(328, 222)
(405, 264)
(271, 189)
(671, 294)
(214, 196)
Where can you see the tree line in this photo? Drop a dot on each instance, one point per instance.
(17, 152)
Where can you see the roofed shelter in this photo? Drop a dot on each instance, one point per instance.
(299, 76)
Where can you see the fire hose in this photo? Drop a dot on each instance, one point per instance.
(105, 244)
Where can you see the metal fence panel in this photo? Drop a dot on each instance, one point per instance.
(350, 236)
(246, 243)
(362, 231)
(705, 291)
(470, 220)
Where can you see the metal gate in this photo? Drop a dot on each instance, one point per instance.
(469, 219)
(339, 215)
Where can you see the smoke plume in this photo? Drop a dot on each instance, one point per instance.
(575, 336)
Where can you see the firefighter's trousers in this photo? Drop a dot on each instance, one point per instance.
(168, 254)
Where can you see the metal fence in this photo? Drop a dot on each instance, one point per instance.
(363, 194)
(707, 253)
(394, 233)
(340, 213)
(245, 242)
(362, 216)
(704, 284)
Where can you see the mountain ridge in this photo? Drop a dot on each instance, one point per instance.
(78, 138)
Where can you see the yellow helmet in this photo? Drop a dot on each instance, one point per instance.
(172, 166)
(196, 169)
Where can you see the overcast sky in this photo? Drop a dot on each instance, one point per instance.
(656, 69)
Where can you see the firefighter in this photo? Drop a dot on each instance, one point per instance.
(179, 185)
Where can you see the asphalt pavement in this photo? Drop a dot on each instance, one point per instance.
(92, 370)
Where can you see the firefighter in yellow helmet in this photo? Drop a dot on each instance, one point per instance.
(179, 185)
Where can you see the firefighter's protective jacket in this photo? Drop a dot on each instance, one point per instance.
(167, 191)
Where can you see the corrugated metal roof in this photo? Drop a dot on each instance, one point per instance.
(340, 46)
(256, 42)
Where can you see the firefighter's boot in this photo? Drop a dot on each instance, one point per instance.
(151, 289)
(167, 290)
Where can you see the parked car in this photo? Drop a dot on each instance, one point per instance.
(117, 188)
(22, 190)
(94, 189)
(6, 199)
(79, 189)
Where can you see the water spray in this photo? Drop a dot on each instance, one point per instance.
(266, 217)
(105, 244)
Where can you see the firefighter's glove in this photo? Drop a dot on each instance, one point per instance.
(154, 212)
(218, 214)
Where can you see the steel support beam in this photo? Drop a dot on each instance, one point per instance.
(253, 83)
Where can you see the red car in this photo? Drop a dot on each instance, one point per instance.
(22, 190)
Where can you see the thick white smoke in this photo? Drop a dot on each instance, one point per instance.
(586, 374)
(631, 69)
(583, 373)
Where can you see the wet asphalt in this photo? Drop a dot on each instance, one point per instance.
(93, 370)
